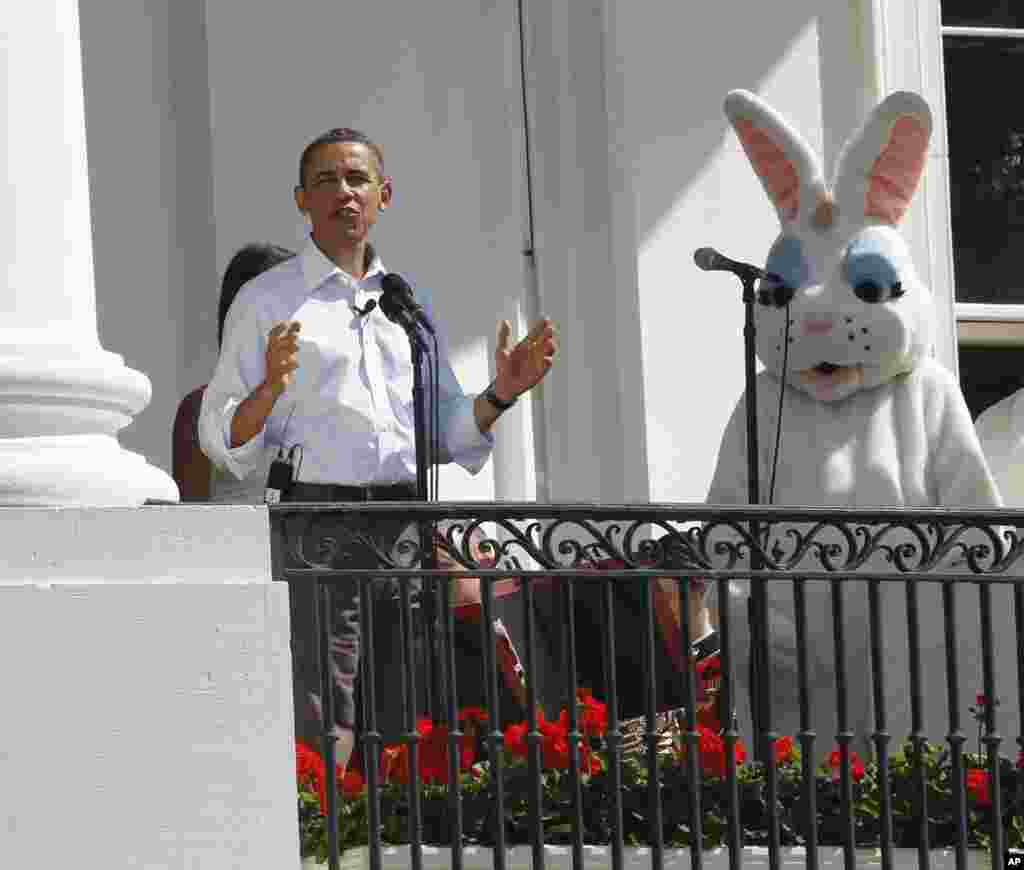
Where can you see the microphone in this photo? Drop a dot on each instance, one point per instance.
(366, 309)
(397, 296)
(710, 260)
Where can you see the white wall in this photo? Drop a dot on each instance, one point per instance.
(148, 133)
(694, 187)
(147, 699)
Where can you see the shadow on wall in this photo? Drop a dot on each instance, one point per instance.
(147, 105)
(679, 66)
(693, 187)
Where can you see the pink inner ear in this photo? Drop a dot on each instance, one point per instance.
(774, 168)
(895, 174)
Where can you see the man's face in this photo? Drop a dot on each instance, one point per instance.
(343, 192)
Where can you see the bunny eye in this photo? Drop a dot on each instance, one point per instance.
(788, 270)
(872, 292)
(870, 266)
(774, 295)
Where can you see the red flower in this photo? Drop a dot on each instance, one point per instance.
(515, 739)
(978, 787)
(352, 784)
(713, 753)
(981, 701)
(593, 714)
(309, 766)
(554, 743)
(1020, 760)
(711, 750)
(310, 772)
(856, 766)
(785, 752)
(555, 746)
(433, 752)
(477, 715)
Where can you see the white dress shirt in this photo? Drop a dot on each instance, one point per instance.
(349, 404)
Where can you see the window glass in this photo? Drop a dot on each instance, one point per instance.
(983, 13)
(986, 166)
(988, 374)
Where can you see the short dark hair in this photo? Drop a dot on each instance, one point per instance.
(250, 260)
(338, 134)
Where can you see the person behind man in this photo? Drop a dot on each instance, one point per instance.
(672, 654)
(304, 363)
(197, 478)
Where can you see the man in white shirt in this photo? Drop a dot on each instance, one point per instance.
(302, 365)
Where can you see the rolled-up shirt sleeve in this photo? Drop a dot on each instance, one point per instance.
(239, 370)
(461, 440)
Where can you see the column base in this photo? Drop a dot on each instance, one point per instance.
(78, 470)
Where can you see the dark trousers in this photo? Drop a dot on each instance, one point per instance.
(322, 541)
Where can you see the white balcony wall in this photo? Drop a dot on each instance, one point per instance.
(147, 690)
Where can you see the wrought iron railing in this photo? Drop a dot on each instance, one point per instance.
(943, 611)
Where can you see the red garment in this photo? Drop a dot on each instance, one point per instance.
(189, 465)
(186, 421)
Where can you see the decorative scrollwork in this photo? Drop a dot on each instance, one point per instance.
(535, 539)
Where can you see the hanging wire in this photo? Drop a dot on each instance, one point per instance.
(435, 421)
(778, 421)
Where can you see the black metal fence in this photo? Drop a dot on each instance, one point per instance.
(889, 633)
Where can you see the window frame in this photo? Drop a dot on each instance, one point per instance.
(980, 323)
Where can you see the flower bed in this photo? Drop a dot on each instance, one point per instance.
(479, 820)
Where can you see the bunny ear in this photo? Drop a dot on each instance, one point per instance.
(788, 168)
(881, 165)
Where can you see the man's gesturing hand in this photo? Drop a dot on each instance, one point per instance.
(282, 356)
(521, 367)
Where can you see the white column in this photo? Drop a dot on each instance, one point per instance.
(63, 398)
(594, 423)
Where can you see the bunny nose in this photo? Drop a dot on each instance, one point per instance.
(816, 327)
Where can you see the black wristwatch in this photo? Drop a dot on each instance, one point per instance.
(492, 397)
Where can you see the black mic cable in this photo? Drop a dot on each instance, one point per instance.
(778, 421)
(399, 305)
(370, 305)
(435, 402)
(710, 260)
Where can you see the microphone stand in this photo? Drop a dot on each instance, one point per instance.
(757, 605)
(425, 460)
(709, 259)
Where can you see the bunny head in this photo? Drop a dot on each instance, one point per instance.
(844, 297)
